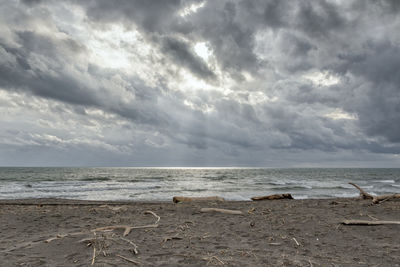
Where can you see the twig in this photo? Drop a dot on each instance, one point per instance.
(373, 218)
(363, 222)
(275, 244)
(236, 212)
(94, 254)
(130, 260)
(135, 251)
(126, 227)
(54, 238)
(171, 238)
(155, 215)
(216, 258)
(297, 243)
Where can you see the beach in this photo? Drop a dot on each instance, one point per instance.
(57, 232)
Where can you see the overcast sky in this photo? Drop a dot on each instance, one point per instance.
(200, 83)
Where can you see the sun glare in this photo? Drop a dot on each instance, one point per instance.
(202, 50)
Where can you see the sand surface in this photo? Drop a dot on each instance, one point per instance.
(269, 233)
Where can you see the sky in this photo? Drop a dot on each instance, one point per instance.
(264, 83)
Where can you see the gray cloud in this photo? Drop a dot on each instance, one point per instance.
(181, 53)
(284, 80)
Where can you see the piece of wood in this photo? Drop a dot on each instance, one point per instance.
(364, 222)
(377, 199)
(128, 259)
(273, 197)
(363, 194)
(135, 247)
(192, 199)
(94, 255)
(127, 228)
(54, 238)
(155, 215)
(171, 238)
(235, 212)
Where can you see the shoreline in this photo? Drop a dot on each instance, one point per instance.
(71, 201)
(303, 232)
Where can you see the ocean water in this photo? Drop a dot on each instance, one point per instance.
(161, 184)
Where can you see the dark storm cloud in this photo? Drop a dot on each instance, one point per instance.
(153, 16)
(215, 22)
(57, 82)
(182, 54)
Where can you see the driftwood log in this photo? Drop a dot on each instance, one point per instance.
(363, 194)
(235, 212)
(363, 222)
(273, 197)
(375, 199)
(192, 199)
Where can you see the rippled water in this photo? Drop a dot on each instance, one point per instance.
(147, 184)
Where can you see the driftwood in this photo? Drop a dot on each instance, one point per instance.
(191, 199)
(128, 228)
(363, 194)
(375, 199)
(273, 197)
(364, 222)
(236, 212)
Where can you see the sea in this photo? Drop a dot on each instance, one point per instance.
(161, 184)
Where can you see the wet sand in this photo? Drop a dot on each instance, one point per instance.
(277, 233)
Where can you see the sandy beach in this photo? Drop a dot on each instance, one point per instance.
(54, 232)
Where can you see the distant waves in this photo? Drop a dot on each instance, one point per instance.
(147, 184)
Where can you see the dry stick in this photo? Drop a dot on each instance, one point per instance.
(129, 228)
(133, 244)
(297, 243)
(363, 194)
(235, 212)
(54, 238)
(209, 260)
(215, 257)
(126, 227)
(171, 238)
(273, 197)
(59, 236)
(127, 259)
(190, 199)
(373, 218)
(364, 222)
(94, 254)
(155, 215)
